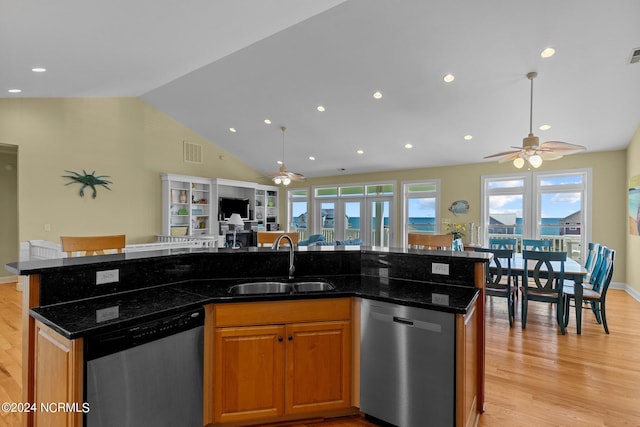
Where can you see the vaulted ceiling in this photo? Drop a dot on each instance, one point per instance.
(216, 65)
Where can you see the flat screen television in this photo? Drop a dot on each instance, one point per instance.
(228, 206)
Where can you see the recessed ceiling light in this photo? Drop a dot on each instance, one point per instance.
(468, 137)
(15, 90)
(545, 127)
(320, 108)
(311, 158)
(377, 95)
(38, 70)
(279, 162)
(448, 78)
(232, 130)
(408, 145)
(360, 151)
(267, 121)
(547, 52)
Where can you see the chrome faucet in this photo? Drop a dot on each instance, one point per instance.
(276, 246)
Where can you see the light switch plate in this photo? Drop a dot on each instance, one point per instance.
(107, 276)
(108, 313)
(440, 299)
(440, 268)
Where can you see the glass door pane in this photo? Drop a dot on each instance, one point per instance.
(505, 216)
(326, 220)
(380, 223)
(561, 222)
(352, 224)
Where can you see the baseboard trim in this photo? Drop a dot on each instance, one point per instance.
(9, 279)
(635, 294)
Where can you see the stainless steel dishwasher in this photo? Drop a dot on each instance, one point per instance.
(407, 364)
(147, 375)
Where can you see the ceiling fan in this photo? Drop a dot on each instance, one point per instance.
(531, 149)
(283, 176)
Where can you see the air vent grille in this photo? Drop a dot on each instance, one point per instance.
(635, 56)
(191, 152)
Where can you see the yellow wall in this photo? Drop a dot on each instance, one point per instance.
(633, 242)
(124, 138)
(463, 182)
(133, 143)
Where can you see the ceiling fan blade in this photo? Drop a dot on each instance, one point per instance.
(510, 157)
(550, 155)
(504, 153)
(296, 176)
(562, 147)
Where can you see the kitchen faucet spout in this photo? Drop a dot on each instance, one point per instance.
(276, 246)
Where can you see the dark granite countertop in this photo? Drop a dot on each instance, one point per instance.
(79, 318)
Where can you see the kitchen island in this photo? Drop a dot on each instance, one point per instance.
(63, 299)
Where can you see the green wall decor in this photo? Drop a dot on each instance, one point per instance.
(88, 180)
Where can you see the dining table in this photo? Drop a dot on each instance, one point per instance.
(573, 271)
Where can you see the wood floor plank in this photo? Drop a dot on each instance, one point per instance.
(534, 377)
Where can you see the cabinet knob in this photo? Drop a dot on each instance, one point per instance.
(279, 339)
(290, 338)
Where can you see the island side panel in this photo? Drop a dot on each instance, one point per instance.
(480, 282)
(30, 298)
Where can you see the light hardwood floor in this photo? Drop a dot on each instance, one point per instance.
(535, 377)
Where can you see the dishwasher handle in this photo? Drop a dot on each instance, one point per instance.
(402, 320)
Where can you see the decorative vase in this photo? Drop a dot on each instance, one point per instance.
(183, 196)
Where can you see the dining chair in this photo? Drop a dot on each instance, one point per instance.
(499, 282)
(430, 241)
(594, 259)
(595, 297)
(503, 243)
(92, 245)
(536, 245)
(543, 281)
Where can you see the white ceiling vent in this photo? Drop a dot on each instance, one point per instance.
(191, 152)
(635, 56)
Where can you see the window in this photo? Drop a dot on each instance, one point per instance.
(553, 206)
(354, 211)
(298, 211)
(421, 207)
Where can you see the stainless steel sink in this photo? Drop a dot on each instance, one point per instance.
(312, 287)
(260, 288)
(254, 288)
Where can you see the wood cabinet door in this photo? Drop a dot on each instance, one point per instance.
(249, 372)
(318, 366)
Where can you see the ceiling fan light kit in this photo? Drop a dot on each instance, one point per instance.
(531, 150)
(283, 176)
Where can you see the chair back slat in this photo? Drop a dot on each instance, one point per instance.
(92, 245)
(549, 278)
(434, 241)
(602, 277)
(536, 245)
(503, 243)
(499, 256)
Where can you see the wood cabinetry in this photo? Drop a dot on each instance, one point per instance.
(58, 379)
(281, 359)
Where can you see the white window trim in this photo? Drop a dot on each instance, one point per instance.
(532, 191)
(405, 202)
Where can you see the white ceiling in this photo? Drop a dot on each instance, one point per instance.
(216, 64)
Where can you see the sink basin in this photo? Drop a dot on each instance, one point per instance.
(312, 287)
(260, 288)
(252, 288)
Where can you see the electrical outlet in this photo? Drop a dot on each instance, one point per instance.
(108, 313)
(107, 276)
(440, 299)
(440, 268)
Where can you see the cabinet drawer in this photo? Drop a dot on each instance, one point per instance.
(280, 312)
